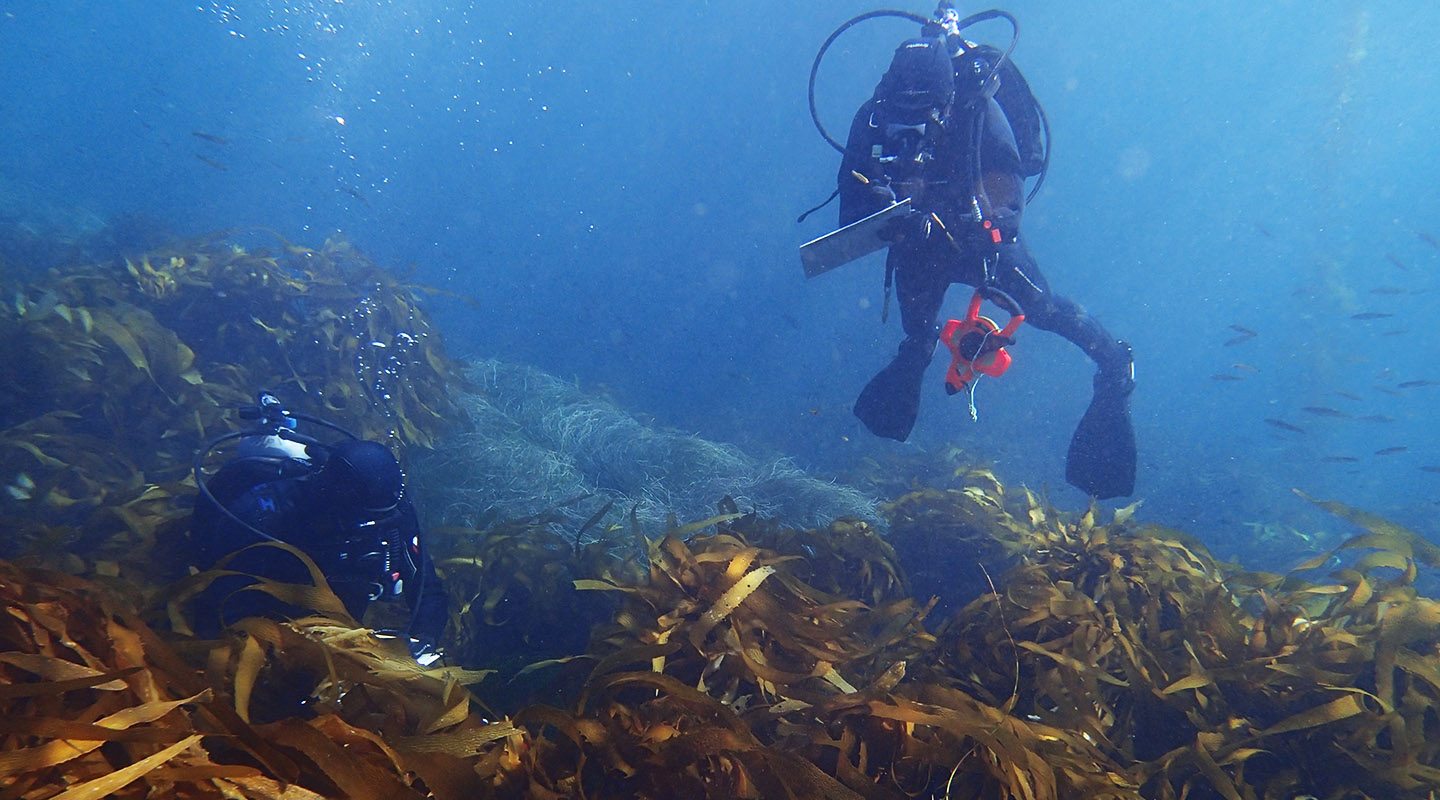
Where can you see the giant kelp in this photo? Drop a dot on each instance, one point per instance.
(117, 373)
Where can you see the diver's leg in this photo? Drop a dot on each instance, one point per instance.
(921, 278)
(1101, 459)
(890, 402)
(1020, 278)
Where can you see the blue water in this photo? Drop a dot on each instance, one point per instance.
(617, 185)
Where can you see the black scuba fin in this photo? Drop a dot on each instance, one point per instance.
(890, 402)
(1101, 461)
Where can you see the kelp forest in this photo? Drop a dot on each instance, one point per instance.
(776, 638)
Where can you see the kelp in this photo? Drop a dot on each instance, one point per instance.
(118, 373)
(95, 703)
(729, 672)
(848, 558)
(742, 659)
(513, 587)
(728, 657)
(738, 615)
(949, 539)
(1198, 678)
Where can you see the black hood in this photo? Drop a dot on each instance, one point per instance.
(361, 475)
(920, 78)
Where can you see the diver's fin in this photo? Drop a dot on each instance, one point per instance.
(1101, 461)
(890, 402)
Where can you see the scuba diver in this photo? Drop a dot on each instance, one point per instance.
(953, 128)
(343, 504)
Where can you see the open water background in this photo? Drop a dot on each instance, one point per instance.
(617, 184)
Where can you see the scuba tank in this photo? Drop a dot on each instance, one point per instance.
(989, 72)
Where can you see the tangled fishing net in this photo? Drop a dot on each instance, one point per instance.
(535, 442)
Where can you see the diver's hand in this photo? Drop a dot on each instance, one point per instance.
(425, 653)
(882, 193)
(910, 227)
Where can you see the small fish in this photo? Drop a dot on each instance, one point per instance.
(215, 164)
(1377, 418)
(1430, 469)
(210, 138)
(1397, 262)
(355, 193)
(1264, 231)
(1387, 390)
(1245, 333)
(1371, 315)
(1245, 367)
(1416, 384)
(1396, 332)
(1384, 290)
(1384, 373)
(1325, 411)
(1283, 425)
(1340, 459)
(1390, 451)
(1433, 242)
(1221, 376)
(22, 489)
(1349, 395)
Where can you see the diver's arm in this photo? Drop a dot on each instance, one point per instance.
(424, 594)
(862, 190)
(1002, 181)
(433, 612)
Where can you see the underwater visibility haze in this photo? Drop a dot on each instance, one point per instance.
(618, 188)
(601, 202)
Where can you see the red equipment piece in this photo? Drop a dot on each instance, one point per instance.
(977, 345)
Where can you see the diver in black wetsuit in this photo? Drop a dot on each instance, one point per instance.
(344, 505)
(935, 132)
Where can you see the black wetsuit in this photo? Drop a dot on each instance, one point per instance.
(362, 555)
(925, 262)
